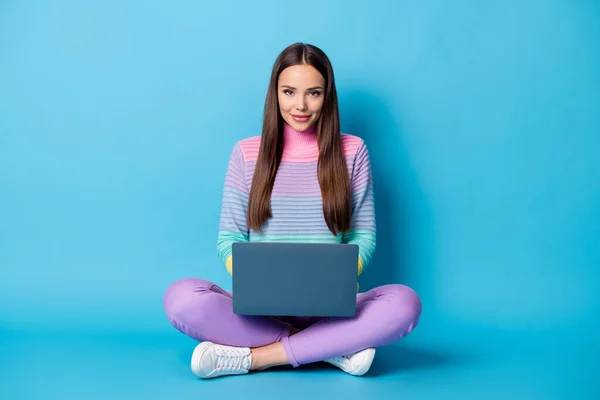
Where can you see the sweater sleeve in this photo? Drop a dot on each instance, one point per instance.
(363, 227)
(232, 224)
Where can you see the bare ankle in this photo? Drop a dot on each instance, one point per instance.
(268, 356)
(255, 365)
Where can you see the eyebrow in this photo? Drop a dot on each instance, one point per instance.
(311, 88)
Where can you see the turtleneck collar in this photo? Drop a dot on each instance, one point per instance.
(294, 140)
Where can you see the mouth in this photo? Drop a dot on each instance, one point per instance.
(300, 117)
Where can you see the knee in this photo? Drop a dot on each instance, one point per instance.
(181, 294)
(404, 308)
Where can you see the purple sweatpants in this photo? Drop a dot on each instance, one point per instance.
(204, 311)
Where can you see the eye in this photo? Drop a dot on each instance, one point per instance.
(315, 93)
(287, 92)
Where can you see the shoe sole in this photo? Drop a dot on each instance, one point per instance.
(367, 360)
(199, 351)
(366, 363)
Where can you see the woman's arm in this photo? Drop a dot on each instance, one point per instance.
(232, 224)
(363, 228)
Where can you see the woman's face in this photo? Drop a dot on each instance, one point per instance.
(300, 92)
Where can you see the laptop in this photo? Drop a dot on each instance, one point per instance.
(294, 279)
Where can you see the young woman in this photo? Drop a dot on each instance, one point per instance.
(300, 181)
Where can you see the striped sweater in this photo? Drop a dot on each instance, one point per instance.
(296, 203)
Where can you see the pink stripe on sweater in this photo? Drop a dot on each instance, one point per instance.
(251, 146)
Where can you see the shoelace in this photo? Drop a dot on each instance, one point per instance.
(231, 359)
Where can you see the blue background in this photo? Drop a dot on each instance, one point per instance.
(482, 120)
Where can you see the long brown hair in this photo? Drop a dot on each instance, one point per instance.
(331, 167)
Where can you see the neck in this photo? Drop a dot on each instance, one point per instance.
(300, 140)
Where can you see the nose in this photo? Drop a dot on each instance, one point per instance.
(301, 104)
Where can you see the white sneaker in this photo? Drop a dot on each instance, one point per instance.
(211, 360)
(355, 364)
